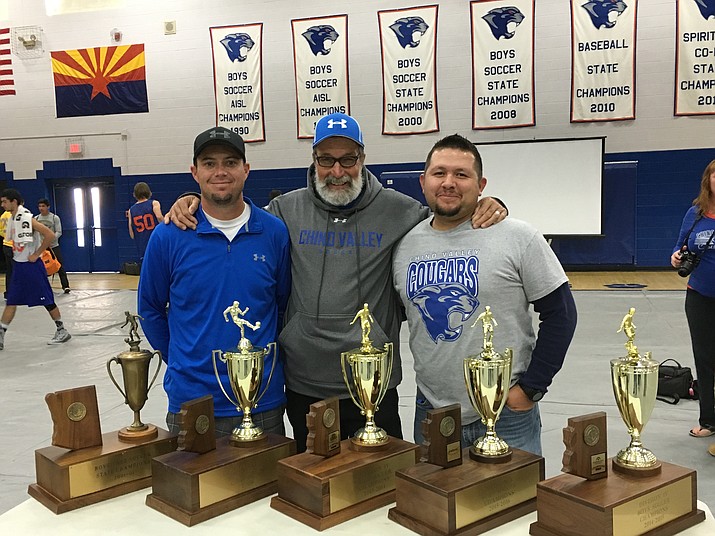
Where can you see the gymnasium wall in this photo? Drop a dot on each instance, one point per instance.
(156, 147)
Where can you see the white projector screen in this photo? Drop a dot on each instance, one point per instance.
(556, 185)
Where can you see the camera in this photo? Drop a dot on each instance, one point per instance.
(689, 261)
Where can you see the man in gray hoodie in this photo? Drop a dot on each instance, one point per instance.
(343, 228)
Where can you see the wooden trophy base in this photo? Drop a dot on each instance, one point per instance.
(658, 505)
(466, 499)
(128, 435)
(71, 479)
(324, 492)
(191, 487)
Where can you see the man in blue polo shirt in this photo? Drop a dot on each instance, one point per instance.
(237, 253)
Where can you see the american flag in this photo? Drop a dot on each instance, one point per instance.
(7, 83)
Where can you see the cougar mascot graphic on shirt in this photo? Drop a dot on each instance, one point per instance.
(601, 11)
(317, 36)
(706, 7)
(499, 20)
(233, 43)
(444, 290)
(405, 29)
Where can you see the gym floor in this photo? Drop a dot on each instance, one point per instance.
(94, 312)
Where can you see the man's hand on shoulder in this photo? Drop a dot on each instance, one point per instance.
(488, 212)
(182, 212)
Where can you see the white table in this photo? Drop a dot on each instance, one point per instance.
(129, 515)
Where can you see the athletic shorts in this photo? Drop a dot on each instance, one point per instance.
(29, 285)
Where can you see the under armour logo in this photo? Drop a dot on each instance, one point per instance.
(340, 220)
(214, 134)
(257, 257)
(332, 122)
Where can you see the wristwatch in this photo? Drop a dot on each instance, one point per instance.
(533, 394)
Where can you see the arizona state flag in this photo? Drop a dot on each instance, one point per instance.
(100, 81)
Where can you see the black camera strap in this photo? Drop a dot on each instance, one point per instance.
(692, 227)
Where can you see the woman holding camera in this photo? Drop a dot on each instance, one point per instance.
(694, 256)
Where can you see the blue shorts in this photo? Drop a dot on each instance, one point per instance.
(29, 285)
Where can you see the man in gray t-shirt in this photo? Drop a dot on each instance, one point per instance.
(54, 224)
(447, 273)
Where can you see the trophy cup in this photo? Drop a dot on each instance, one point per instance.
(488, 378)
(135, 374)
(635, 385)
(641, 495)
(245, 374)
(334, 483)
(210, 477)
(491, 486)
(370, 370)
(89, 468)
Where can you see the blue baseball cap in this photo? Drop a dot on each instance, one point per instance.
(338, 125)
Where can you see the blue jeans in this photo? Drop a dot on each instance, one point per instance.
(520, 429)
(270, 421)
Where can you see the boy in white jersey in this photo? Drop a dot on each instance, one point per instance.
(28, 284)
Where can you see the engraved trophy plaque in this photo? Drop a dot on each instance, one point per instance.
(135, 374)
(212, 476)
(75, 418)
(245, 373)
(323, 422)
(493, 483)
(488, 377)
(585, 439)
(323, 491)
(118, 463)
(366, 371)
(442, 430)
(641, 495)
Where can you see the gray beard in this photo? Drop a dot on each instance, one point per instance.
(341, 198)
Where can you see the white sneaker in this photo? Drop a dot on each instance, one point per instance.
(61, 335)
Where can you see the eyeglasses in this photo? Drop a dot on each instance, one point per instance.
(329, 161)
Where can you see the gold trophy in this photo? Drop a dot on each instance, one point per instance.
(642, 495)
(488, 378)
(341, 480)
(135, 374)
(635, 384)
(245, 373)
(370, 370)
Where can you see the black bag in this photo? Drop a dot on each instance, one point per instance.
(132, 268)
(676, 382)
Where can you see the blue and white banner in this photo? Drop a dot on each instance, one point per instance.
(603, 68)
(408, 40)
(238, 79)
(502, 64)
(695, 57)
(320, 57)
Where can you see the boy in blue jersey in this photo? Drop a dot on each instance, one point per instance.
(144, 215)
(237, 253)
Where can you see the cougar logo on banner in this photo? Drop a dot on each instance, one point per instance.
(233, 43)
(405, 29)
(318, 35)
(601, 12)
(499, 20)
(706, 7)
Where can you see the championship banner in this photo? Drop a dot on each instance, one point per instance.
(320, 51)
(695, 57)
(238, 79)
(603, 51)
(408, 40)
(502, 64)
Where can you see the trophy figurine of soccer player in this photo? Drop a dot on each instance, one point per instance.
(135, 374)
(487, 377)
(635, 385)
(245, 372)
(370, 369)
